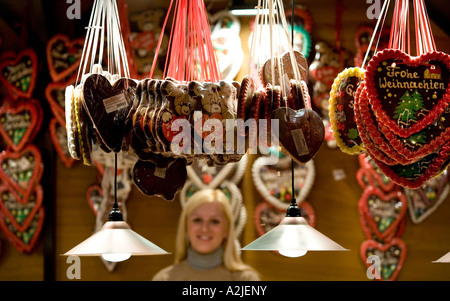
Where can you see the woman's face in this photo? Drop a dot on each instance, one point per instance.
(207, 227)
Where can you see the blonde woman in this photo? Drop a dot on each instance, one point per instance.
(205, 243)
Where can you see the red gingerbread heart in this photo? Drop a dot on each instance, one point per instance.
(20, 215)
(408, 94)
(19, 122)
(23, 241)
(21, 171)
(424, 200)
(390, 256)
(55, 95)
(58, 135)
(63, 56)
(94, 196)
(19, 74)
(383, 211)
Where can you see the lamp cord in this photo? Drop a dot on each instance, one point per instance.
(115, 215)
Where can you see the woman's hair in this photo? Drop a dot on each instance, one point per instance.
(231, 258)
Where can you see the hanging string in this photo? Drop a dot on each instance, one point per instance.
(378, 27)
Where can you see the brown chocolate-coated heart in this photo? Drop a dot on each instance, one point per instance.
(108, 106)
(164, 181)
(301, 132)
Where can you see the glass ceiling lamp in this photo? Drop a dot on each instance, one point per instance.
(293, 237)
(115, 241)
(443, 259)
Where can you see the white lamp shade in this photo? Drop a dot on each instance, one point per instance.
(293, 234)
(444, 259)
(115, 237)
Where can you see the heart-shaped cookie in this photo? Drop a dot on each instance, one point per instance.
(23, 241)
(267, 217)
(371, 174)
(395, 148)
(301, 132)
(274, 181)
(416, 174)
(20, 122)
(94, 196)
(424, 200)
(370, 234)
(55, 95)
(342, 116)
(58, 135)
(383, 211)
(391, 255)
(19, 214)
(63, 56)
(407, 94)
(163, 181)
(19, 74)
(107, 107)
(21, 171)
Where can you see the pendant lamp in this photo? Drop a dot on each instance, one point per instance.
(443, 259)
(293, 237)
(115, 241)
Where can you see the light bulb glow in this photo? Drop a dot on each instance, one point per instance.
(116, 257)
(292, 253)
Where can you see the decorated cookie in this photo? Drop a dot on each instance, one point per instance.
(408, 94)
(23, 241)
(341, 104)
(391, 254)
(20, 121)
(274, 181)
(20, 215)
(19, 74)
(162, 181)
(21, 171)
(301, 132)
(58, 135)
(269, 76)
(63, 56)
(424, 200)
(383, 211)
(115, 101)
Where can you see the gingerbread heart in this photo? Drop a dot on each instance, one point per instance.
(63, 56)
(370, 234)
(21, 171)
(416, 174)
(391, 255)
(94, 196)
(55, 95)
(374, 176)
(23, 241)
(407, 94)
(19, 74)
(107, 107)
(267, 217)
(424, 200)
(20, 215)
(58, 135)
(342, 115)
(383, 211)
(395, 148)
(274, 181)
(20, 122)
(163, 181)
(301, 132)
